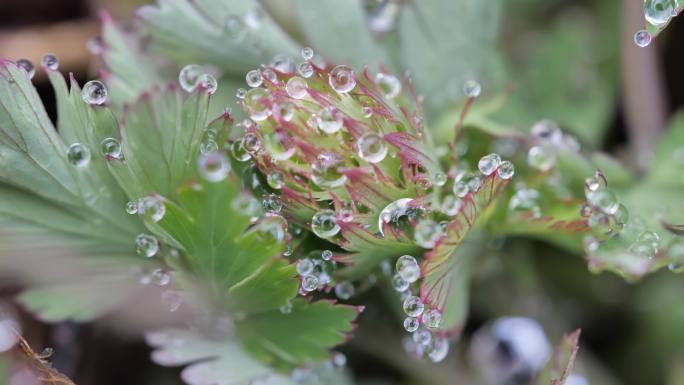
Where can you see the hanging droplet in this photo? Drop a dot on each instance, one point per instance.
(440, 349)
(413, 306)
(146, 245)
(275, 180)
(427, 233)
(111, 148)
(214, 167)
(27, 67)
(326, 171)
(407, 267)
(309, 283)
(451, 205)
(151, 207)
(240, 93)
(172, 299)
(257, 104)
(372, 147)
(324, 224)
(658, 12)
(188, 77)
(307, 53)
(50, 62)
(472, 89)
(329, 120)
(296, 87)
(399, 283)
(432, 318)
(643, 38)
(254, 78)
(304, 267)
(489, 163)
(344, 290)
(94, 92)
(326, 255)
(411, 324)
(131, 207)
(306, 70)
(506, 170)
(78, 155)
(542, 158)
(341, 79)
(390, 85)
(208, 83)
(234, 27)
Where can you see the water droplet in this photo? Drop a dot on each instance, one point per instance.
(439, 350)
(257, 104)
(275, 180)
(413, 306)
(460, 189)
(309, 283)
(287, 309)
(208, 146)
(604, 200)
(151, 207)
(307, 53)
(541, 157)
(306, 70)
(94, 92)
(658, 12)
(390, 85)
(296, 87)
(341, 79)
(525, 199)
(427, 233)
(326, 171)
(240, 93)
(399, 283)
(271, 228)
(284, 111)
(489, 163)
(367, 112)
(254, 78)
(271, 203)
(411, 324)
(279, 146)
(422, 337)
(234, 27)
(269, 75)
(547, 130)
(188, 77)
(439, 179)
(146, 245)
(132, 207)
(324, 224)
(251, 142)
(160, 277)
(344, 290)
(642, 38)
(111, 148)
(304, 267)
(372, 147)
(432, 318)
(50, 61)
(238, 151)
(506, 170)
(329, 120)
(394, 212)
(172, 299)
(208, 83)
(407, 267)
(27, 66)
(214, 167)
(345, 215)
(451, 205)
(472, 89)
(326, 255)
(78, 155)
(282, 63)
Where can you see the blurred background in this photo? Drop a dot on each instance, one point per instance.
(573, 61)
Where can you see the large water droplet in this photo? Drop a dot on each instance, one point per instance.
(188, 77)
(251, 142)
(407, 267)
(304, 267)
(341, 79)
(307, 53)
(394, 212)
(111, 148)
(372, 147)
(269, 75)
(214, 167)
(94, 92)
(489, 163)
(411, 324)
(604, 200)
(151, 207)
(257, 104)
(399, 283)
(50, 61)
(271, 203)
(329, 120)
(324, 224)
(309, 283)
(27, 66)
(305, 69)
(208, 83)
(390, 85)
(296, 87)
(432, 318)
(254, 78)
(658, 12)
(413, 306)
(146, 245)
(238, 151)
(326, 171)
(506, 170)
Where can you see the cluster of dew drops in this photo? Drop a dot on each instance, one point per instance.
(657, 13)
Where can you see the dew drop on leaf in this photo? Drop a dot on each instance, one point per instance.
(275, 180)
(372, 147)
(50, 62)
(489, 163)
(309, 283)
(407, 267)
(541, 157)
(658, 12)
(307, 53)
(78, 155)
(344, 290)
(111, 148)
(213, 167)
(411, 324)
(208, 83)
(305, 69)
(506, 170)
(341, 79)
(329, 120)
(132, 207)
(324, 224)
(296, 87)
(432, 318)
(188, 77)
(257, 104)
(146, 245)
(472, 89)
(238, 151)
(27, 67)
(390, 85)
(94, 92)
(413, 306)
(254, 78)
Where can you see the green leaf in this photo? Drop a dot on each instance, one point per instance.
(271, 287)
(301, 337)
(560, 366)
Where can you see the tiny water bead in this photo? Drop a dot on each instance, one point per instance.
(326, 171)
(413, 306)
(151, 207)
(78, 155)
(309, 283)
(254, 78)
(372, 147)
(94, 92)
(257, 104)
(506, 170)
(472, 89)
(275, 180)
(326, 255)
(188, 77)
(50, 62)
(146, 245)
(208, 83)
(489, 163)
(27, 66)
(111, 148)
(341, 79)
(324, 224)
(407, 267)
(427, 233)
(542, 157)
(307, 53)
(432, 318)
(131, 207)
(240, 93)
(306, 70)
(329, 120)
(399, 283)
(659, 12)
(296, 87)
(214, 166)
(344, 290)
(304, 267)
(411, 324)
(390, 85)
(643, 38)
(234, 27)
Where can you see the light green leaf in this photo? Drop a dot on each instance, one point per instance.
(270, 287)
